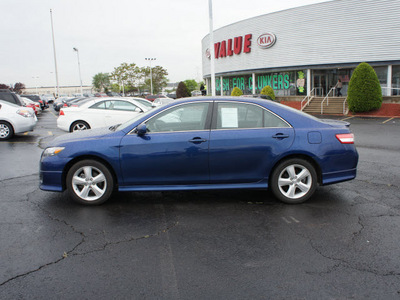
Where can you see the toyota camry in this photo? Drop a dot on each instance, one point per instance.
(203, 143)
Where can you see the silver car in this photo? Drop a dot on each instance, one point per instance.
(15, 119)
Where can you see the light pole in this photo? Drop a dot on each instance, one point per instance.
(79, 67)
(36, 77)
(55, 88)
(151, 74)
(212, 48)
(54, 50)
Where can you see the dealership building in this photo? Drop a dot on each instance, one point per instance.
(307, 49)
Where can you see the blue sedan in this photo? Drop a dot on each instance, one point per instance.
(203, 143)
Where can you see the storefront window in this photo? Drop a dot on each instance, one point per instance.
(382, 72)
(396, 80)
(283, 83)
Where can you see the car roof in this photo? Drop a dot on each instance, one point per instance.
(98, 99)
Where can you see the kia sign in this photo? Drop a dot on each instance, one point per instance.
(266, 40)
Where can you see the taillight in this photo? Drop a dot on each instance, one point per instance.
(345, 138)
(24, 112)
(61, 112)
(65, 105)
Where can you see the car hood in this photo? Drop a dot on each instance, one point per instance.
(82, 135)
(336, 123)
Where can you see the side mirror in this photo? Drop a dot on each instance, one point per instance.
(141, 129)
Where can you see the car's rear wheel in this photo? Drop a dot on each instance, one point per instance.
(79, 125)
(90, 182)
(294, 181)
(6, 130)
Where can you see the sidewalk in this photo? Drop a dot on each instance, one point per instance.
(387, 110)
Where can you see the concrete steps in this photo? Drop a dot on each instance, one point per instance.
(333, 106)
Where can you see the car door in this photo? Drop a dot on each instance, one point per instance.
(244, 141)
(96, 114)
(174, 151)
(121, 111)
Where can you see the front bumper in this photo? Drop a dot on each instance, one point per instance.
(51, 181)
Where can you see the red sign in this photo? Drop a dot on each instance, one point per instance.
(233, 46)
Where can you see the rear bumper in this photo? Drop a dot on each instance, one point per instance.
(63, 123)
(335, 177)
(25, 124)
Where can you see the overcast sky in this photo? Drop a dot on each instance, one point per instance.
(108, 33)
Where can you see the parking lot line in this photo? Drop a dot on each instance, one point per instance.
(387, 120)
(33, 142)
(348, 118)
(53, 114)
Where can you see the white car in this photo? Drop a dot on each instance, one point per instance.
(143, 101)
(99, 112)
(162, 101)
(28, 101)
(15, 119)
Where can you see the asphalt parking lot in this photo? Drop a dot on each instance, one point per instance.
(341, 244)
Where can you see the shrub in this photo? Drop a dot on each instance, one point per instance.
(182, 90)
(268, 91)
(364, 92)
(236, 92)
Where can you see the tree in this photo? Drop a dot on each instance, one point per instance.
(182, 90)
(18, 87)
(4, 86)
(191, 84)
(268, 91)
(364, 92)
(120, 76)
(101, 81)
(159, 78)
(236, 92)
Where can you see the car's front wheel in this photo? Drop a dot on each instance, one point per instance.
(79, 125)
(294, 181)
(90, 182)
(6, 130)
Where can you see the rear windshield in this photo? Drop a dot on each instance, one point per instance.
(33, 97)
(7, 97)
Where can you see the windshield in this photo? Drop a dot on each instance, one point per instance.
(33, 97)
(144, 102)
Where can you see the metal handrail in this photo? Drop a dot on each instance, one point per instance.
(308, 98)
(387, 90)
(344, 106)
(327, 99)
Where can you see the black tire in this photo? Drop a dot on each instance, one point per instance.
(89, 182)
(79, 125)
(6, 131)
(294, 181)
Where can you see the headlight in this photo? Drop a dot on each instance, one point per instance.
(51, 151)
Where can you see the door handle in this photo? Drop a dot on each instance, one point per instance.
(280, 136)
(197, 140)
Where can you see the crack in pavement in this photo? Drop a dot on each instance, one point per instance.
(18, 177)
(133, 239)
(342, 262)
(70, 252)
